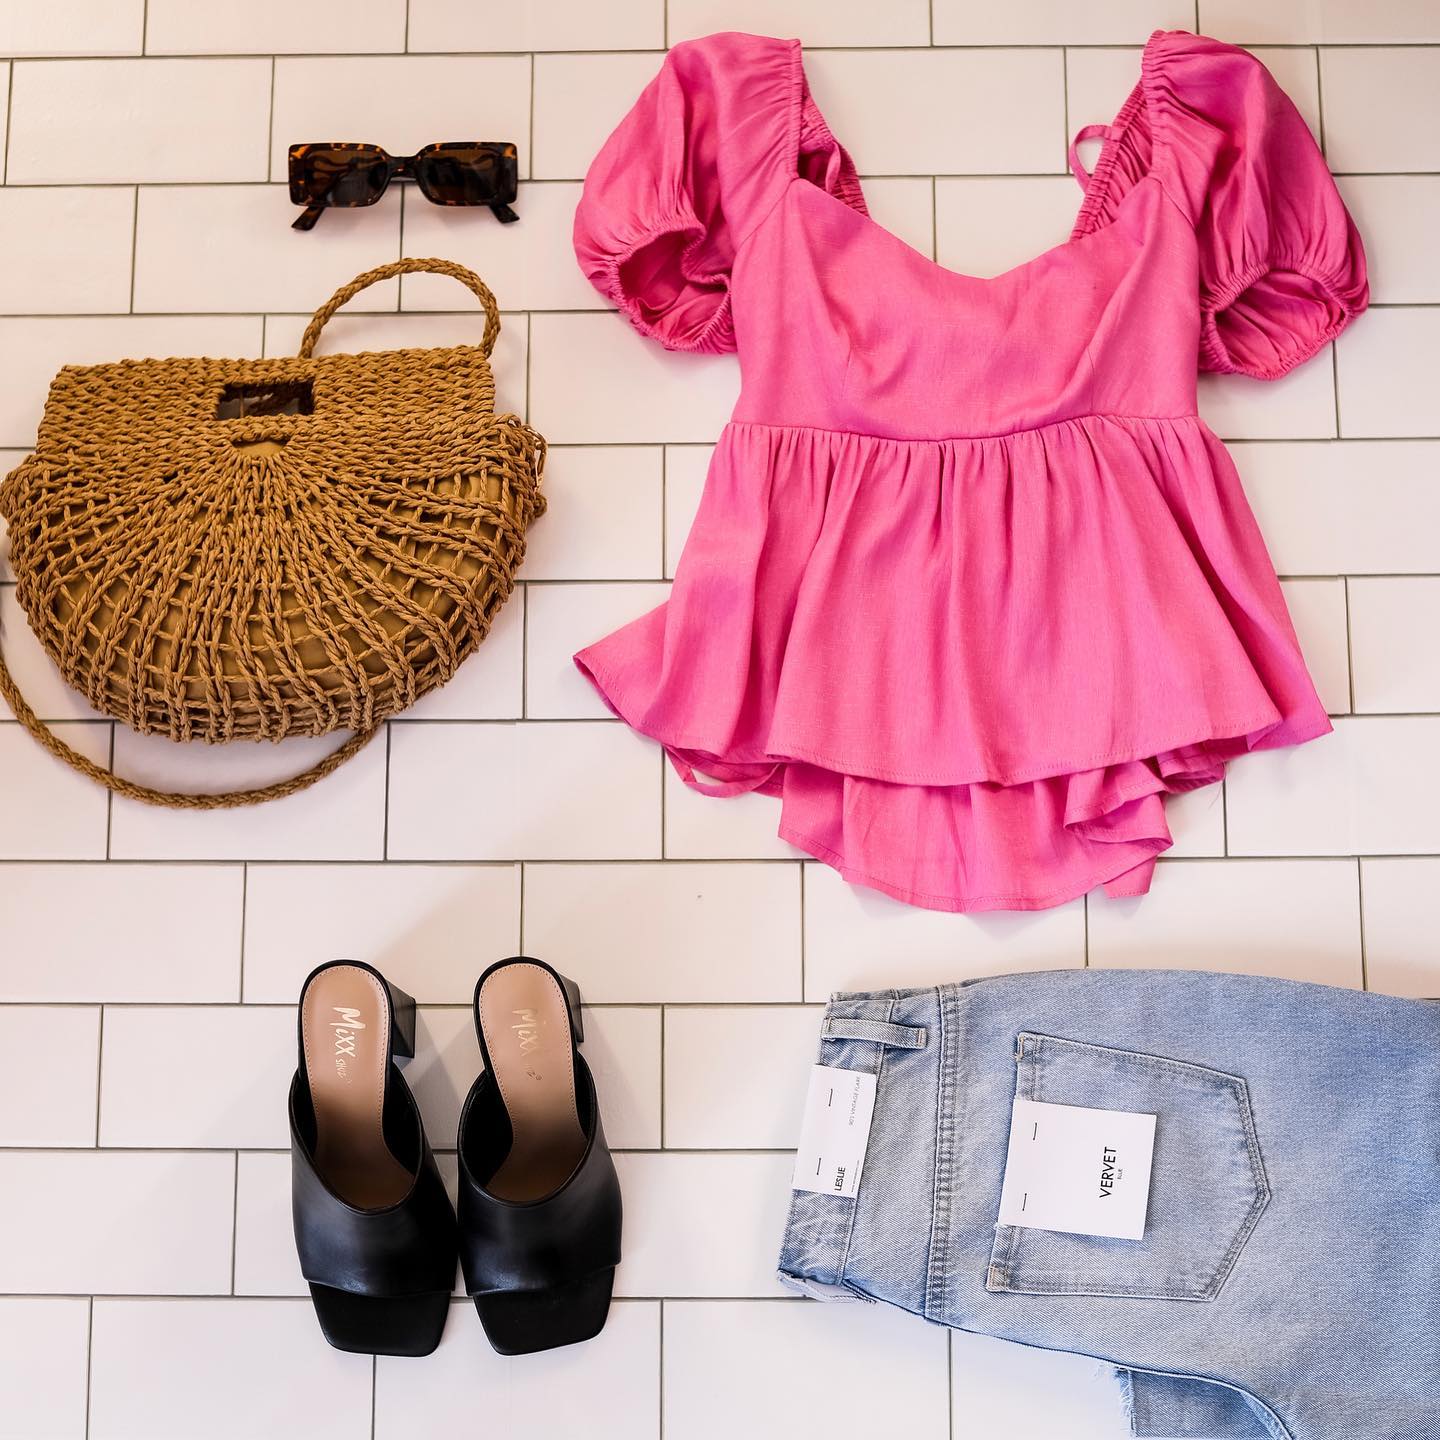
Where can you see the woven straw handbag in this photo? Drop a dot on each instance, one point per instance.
(255, 549)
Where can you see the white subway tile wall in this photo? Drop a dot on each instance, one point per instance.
(150, 960)
(44, 1357)
(116, 122)
(67, 249)
(72, 27)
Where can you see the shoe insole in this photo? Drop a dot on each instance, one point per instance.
(526, 1023)
(345, 1025)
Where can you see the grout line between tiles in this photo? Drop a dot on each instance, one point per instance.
(385, 821)
(643, 582)
(9, 120)
(1360, 900)
(979, 176)
(1334, 348)
(361, 313)
(244, 922)
(299, 1299)
(590, 721)
(89, 1360)
(529, 352)
(456, 1004)
(215, 1151)
(1065, 102)
(524, 600)
(664, 829)
(99, 1069)
(293, 1297)
(591, 862)
(530, 121)
(1349, 642)
(234, 1218)
(918, 47)
(699, 1298)
(804, 938)
(134, 246)
(1335, 383)
(665, 561)
(520, 938)
(270, 127)
(1320, 104)
(109, 796)
(950, 1384)
(405, 193)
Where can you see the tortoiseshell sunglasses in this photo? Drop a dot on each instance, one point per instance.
(456, 172)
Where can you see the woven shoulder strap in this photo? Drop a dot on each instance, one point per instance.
(175, 799)
(180, 800)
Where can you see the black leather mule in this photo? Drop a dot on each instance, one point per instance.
(373, 1224)
(539, 1198)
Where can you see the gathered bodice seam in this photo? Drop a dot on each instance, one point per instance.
(951, 439)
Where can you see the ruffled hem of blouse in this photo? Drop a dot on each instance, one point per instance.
(1124, 873)
(787, 635)
(742, 768)
(834, 637)
(1108, 827)
(1027, 846)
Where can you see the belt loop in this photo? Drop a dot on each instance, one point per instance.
(882, 1032)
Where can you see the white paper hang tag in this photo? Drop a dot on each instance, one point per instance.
(835, 1131)
(1081, 1171)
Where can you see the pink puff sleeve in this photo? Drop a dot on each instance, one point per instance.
(1282, 269)
(688, 172)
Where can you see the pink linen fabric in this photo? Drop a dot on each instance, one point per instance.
(972, 588)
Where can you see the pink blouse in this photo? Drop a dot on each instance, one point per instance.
(972, 588)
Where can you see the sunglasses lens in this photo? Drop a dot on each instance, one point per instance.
(337, 175)
(468, 174)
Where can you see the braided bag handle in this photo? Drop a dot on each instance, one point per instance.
(226, 799)
(468, 278)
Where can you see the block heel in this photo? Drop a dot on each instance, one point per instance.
(374, 1228)
(540, 1211)
(402, 1022)
(572, 997)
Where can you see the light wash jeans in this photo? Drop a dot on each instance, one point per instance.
(1288, 1284)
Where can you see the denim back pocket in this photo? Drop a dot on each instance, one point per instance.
(1207, 1187)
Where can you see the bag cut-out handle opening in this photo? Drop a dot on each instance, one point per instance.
(278, 397)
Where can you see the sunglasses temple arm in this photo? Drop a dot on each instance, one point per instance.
(503, 213)
(306, 219)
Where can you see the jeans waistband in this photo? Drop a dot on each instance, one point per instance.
(895, 1035)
